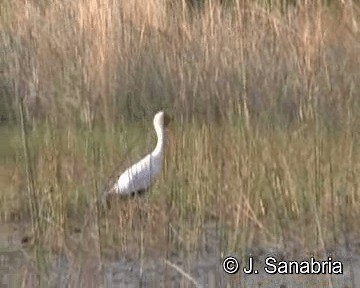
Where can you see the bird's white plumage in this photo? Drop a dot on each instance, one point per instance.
(139, 176)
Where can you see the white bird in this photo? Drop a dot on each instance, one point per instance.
(137, 179)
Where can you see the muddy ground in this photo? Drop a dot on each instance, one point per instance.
(200, 269)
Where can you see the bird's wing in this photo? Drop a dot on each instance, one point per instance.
(116, 172)
(135, 178)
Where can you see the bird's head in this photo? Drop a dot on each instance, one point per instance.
(161, 119)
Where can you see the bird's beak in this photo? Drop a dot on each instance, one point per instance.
(167, 120)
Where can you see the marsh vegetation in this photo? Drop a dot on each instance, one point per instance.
(263, 151)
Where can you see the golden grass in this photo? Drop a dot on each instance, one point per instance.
(265, 143)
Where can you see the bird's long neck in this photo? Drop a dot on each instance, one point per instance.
(160, 140)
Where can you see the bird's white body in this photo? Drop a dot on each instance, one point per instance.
(139, 176)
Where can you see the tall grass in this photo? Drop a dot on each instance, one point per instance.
(265, 144)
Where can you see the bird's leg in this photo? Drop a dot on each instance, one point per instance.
(108, 203)
(141, 192)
